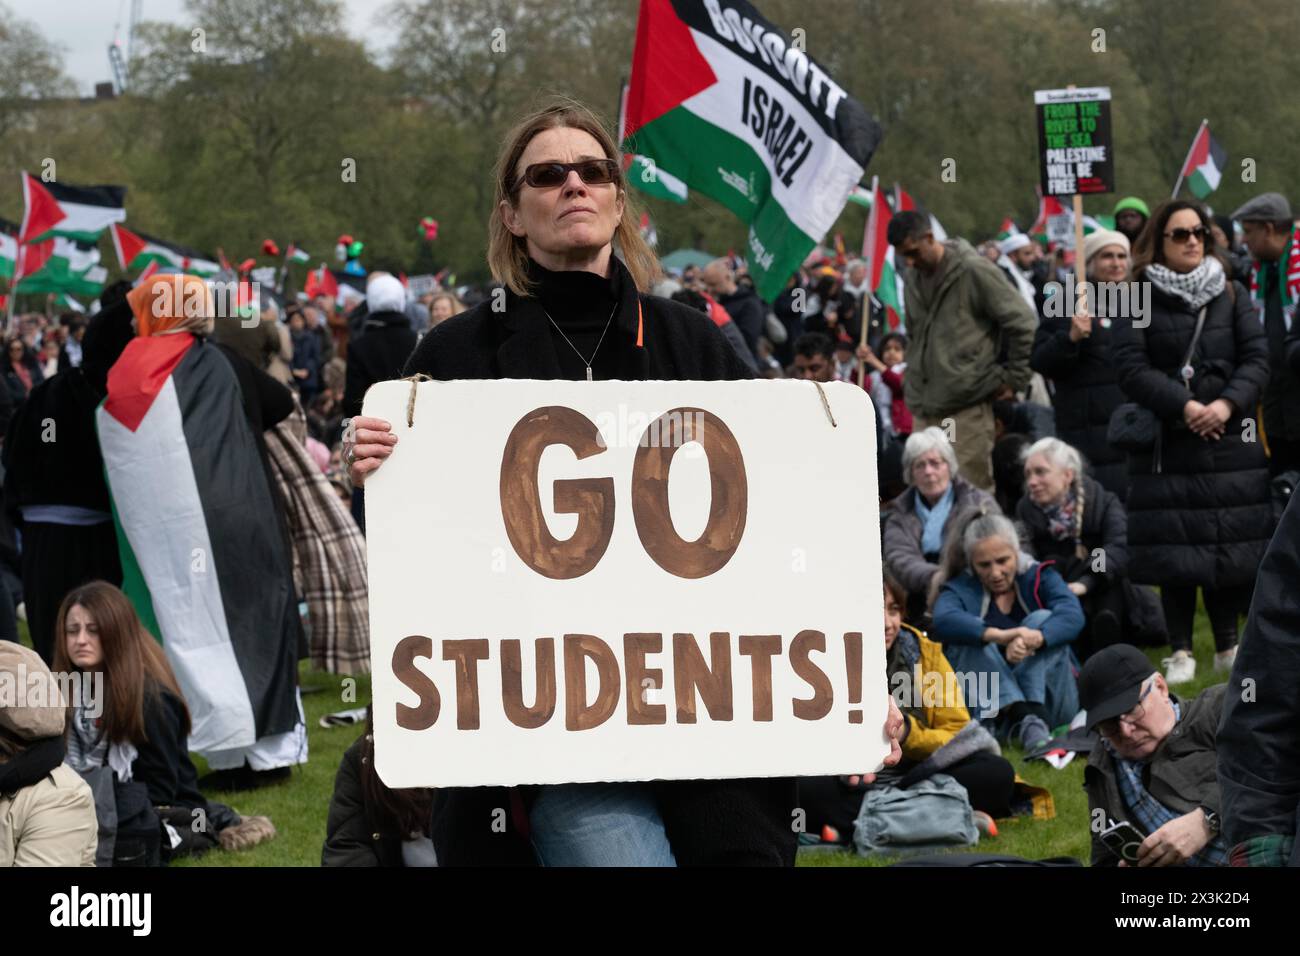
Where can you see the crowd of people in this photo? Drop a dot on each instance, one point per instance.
(1043, 467)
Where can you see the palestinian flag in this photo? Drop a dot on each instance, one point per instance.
(86, 210)
(321, 282)
(861, 196)
(8, 248)
(203, 558)
(719, 97)
(56, 276)
(1204, 165)
(136, 250)
(884, 282)
(1007, 229)
(1054, 223)
(41, 211)
(59, 265)
(296, 254)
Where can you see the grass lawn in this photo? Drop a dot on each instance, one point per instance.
(298, 807)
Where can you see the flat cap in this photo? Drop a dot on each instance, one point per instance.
(1266, 207)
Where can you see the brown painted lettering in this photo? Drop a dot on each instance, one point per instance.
(819, 705)
(466, 654)
(691, 673)
(591, 499)
(760, 649)
(640, 679)
(730, 493)
(577, 715)
(512, 684)
(423, 715)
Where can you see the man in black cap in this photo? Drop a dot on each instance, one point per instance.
(1154, 765)
(1269, 231)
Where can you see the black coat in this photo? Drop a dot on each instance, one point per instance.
(1086, 393)
(1206, 518)
(1105, 526)
(354, 834)
(745, 822)
(376, 355)
(748, 312)
(1259, 735)
(68, 470)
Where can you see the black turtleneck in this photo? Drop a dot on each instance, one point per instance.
(581, 303)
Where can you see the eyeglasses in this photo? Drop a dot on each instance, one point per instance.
(593, 172)
(1111, 727)
(1182, 235)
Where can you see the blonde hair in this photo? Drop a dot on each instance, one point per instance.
(507, 253)
(457, 306)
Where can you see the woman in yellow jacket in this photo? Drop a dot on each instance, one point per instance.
(939, 735)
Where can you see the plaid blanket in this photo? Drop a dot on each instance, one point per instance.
(329, 557)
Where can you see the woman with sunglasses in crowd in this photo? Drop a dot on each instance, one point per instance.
(574, 310)
(1198, 499)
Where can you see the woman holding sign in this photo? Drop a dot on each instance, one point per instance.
(572, 310)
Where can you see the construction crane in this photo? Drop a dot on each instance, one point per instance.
(119, 62)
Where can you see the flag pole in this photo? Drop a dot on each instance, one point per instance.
(868, 253)
(1178, 185)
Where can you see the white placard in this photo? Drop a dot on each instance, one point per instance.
(754, 550)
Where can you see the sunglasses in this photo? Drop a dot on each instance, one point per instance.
(1182, 235)
(593, 172)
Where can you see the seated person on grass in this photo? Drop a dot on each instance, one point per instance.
(1001, 613)
(939, 735)
(1154, 766)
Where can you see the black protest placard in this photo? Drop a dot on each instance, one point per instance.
(1074, 141)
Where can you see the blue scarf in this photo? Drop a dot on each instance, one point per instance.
(933, 520)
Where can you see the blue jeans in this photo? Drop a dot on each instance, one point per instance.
(598, 824)
(1045, 677)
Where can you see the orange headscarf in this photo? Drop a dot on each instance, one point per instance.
(171, 303)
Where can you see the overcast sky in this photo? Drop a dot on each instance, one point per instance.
(84, 28)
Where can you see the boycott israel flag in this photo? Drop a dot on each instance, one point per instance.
(719, 98)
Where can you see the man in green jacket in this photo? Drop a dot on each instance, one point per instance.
(959, 308)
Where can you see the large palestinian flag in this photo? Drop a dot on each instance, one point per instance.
(136, 250)
(203, 556)
(719, 97)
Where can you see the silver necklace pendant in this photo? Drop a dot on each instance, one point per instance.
(589, 373)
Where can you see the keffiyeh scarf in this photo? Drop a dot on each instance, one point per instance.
(1196, 287)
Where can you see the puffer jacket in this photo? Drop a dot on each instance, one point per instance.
(952, 360)
(1180, 774)
(1206, 517)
